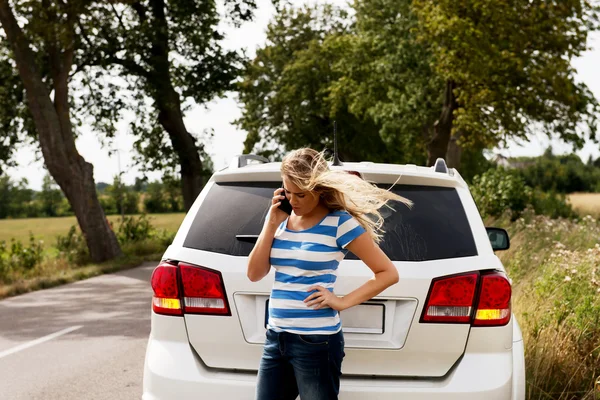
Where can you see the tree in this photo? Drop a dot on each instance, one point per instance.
(50, 197)
(287, 93)
(169, 51)
(506, 68)
(435, 79)
(387, 76)
(44, 69)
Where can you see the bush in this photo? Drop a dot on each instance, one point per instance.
(18, 257)
(73, 247)
(497, 190)
(134, 229)
(552, 204)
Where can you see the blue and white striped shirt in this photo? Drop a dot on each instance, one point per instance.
(303, 259)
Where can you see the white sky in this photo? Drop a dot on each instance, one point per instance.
(228, 139)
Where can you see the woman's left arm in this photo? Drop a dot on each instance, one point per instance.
(386, 274)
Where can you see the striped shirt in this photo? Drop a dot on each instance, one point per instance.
(303, 259)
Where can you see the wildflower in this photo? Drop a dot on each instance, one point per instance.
(573, 271)
(567, 278)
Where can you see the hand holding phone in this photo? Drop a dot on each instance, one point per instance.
(285, 205)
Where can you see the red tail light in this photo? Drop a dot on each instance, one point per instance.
(166, 290)
(452, 300)
(201, 290)
(494, 301)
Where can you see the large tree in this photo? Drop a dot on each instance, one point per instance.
(287, 93)
(433, 77)
(43, 51)
(168, 51)
(506, 68)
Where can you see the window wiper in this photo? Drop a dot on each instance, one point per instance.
(247, 238)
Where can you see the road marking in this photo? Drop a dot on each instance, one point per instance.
(38, 341)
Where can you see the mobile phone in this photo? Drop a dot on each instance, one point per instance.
(285, 204)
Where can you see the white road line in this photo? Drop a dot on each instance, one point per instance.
(38, 341)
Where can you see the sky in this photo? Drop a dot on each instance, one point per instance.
(227, 142)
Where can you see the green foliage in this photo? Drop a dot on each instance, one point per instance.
(122, 199)
(563, 174)
(134, 229)
(287, 95)
(17, 200)
(138, 236)
(551, 204)
(497, 191)
(556, 298)
(17, 257)
(50, 197)
(382, 74)
(73, 247)
(511, 65)
(162, 197)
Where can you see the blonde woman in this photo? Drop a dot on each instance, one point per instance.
(333, 212)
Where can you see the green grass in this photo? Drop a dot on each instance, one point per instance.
(555, 267)
(54, 268)
(56, 271)
(47, 229)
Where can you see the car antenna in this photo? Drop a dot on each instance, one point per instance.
(336, 159)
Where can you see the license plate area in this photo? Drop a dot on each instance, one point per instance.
(366, 318)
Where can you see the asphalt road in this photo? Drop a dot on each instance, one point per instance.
(84, 340)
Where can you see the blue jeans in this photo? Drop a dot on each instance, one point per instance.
(309, 365)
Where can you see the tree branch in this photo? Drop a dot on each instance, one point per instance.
(125, 30)
(140, 10)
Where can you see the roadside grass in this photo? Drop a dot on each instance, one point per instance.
(58, 271)
(48, 229)
(36, 265)
(555, 267)
(585, 203)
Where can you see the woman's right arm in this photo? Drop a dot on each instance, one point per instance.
(259, 262)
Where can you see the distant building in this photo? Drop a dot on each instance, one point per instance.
(509, 163)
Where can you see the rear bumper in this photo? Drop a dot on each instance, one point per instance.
(173, 371)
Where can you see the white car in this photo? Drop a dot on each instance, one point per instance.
(445, 331)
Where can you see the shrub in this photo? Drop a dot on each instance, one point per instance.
(73, 247)
(497, 190)
(553, 205)
(19, 258)
(134, 229)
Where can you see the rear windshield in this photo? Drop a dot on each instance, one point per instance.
(232, 214)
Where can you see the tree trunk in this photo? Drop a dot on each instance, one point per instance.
(454, 153)
(442, 128)
(184, 144)
(72, 173)
(168, 104)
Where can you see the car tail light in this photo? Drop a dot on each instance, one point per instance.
(450, 299)
(493, 308)
(166, 290)
(203, 290)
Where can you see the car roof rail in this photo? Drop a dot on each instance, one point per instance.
(241, 160)
(440, 166)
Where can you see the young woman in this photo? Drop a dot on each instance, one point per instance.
(333, 212)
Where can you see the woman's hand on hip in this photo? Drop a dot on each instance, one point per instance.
(322, 298)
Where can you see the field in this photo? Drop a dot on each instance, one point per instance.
(47, 229)
(586, 203)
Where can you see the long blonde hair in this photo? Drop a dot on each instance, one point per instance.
(339, 190)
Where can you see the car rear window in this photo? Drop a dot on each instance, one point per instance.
(232, 214)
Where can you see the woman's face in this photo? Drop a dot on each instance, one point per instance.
(303, 202)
